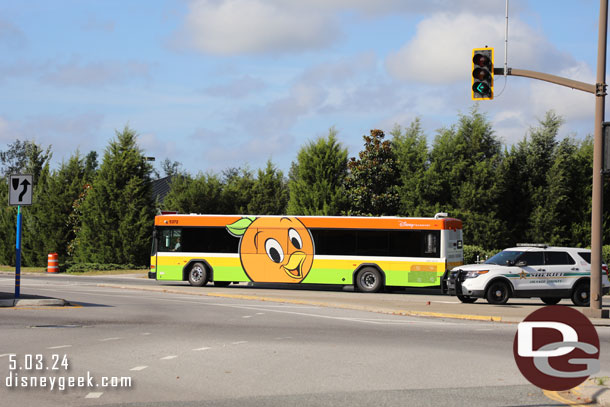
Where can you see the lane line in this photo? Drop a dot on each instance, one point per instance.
(239, 342)
(203, 348)
(110, 339)
(138, 368)
(94, 395)
(60, 347)
(169, 357)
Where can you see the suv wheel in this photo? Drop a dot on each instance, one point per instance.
(580, 294)
(498, 293)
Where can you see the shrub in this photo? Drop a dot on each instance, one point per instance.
(85, 267)
(472, 251)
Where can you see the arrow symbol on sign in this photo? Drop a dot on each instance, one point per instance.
(481, 88)
(25, 184)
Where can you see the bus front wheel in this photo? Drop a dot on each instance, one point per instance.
(369, 280)
(198, 275)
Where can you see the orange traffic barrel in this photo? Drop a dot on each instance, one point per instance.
(53, 264)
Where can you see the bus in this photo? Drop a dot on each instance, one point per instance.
(370, 253)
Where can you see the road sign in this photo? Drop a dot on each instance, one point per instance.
(20, 188)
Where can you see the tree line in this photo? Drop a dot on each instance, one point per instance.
(537, 190)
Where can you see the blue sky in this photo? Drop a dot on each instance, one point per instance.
(215, 84)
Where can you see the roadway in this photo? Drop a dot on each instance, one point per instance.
(199, 350)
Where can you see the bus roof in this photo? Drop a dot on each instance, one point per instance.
(333, 222)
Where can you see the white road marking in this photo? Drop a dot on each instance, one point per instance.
(138, 368)
(5, 354)
(204, 348)
(260, 313)
(94, 395)
(169, 357)
(247, 316)
(59, 347)
(110, 339)
(145, 333)
(239, 342)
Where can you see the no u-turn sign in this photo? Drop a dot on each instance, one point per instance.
(20, 189)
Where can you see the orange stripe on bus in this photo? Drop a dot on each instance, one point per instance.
(339, 222)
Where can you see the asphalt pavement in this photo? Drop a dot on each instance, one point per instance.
(425, 303)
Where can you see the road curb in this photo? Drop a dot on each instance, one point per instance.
(590, 391)
(486, 318)
(42, 302)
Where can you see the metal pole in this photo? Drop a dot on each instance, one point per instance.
(595, 307)
(18, 255)
(506, 43)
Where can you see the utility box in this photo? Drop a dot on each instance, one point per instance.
(606, 147)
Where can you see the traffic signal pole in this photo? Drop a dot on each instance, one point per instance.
(595, 307)
(599, 90)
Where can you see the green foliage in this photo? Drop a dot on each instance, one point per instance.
(269, 192)
(372, 181)
(87, 267)
(117, 213)
(474, 253)
(316, 178)
(237, 190)
(411, 150)
(538, 190)
(201, 194)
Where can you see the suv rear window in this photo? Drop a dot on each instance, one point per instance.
(586, 256)
(557, 258)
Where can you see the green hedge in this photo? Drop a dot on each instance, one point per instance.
(471, 252)
(84, 267)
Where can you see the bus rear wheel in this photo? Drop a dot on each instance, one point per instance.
(369, 280)
(198, 275)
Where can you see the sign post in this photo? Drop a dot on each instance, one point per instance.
(19, 193)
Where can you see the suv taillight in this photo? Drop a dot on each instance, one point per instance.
(605, 268)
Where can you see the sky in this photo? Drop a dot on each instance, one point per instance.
(216, 84)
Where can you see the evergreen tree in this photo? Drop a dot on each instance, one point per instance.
(372, 181)
(461, 178)
(539, 160)
(237, 190)
(513, 200)
(316, 178)
(412, 156)
(269, 192)
(117, 214)
(195, 195)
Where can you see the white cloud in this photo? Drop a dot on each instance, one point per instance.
(441, 50)
(568, 103)
(98, 73)
(231, 27)
(251, 26)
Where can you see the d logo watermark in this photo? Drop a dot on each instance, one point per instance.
(556, 348)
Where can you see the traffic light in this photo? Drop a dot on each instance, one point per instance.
(482, 74)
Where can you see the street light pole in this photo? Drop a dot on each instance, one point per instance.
(595, 307)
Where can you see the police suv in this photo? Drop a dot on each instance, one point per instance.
(531, 270)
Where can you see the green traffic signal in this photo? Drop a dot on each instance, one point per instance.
(482, 74)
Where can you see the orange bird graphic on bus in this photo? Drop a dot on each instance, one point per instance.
(274, 249)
